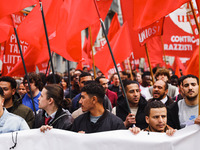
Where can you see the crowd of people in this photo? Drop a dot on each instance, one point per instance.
(89, 105)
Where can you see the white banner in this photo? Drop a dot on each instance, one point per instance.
(185, 139)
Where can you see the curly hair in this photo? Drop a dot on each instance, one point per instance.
(94, 89)
(34, 78)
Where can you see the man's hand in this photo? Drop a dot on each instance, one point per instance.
(197, 120)
(130, 119)
(170, 132)
(135, 130)
(45, 128)
(83, 132)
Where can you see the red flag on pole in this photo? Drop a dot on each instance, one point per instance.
(119, 43)
(155, 50)
(177, 66)
(193, 64)
(145, 12)
(8, 7)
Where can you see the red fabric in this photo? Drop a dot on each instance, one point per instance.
(112, 97)
(114, 27)
(193, 64)
(198, 5)
(46, 121)
(6, 28)
(145, 12)
(173, 44)
(155, 50)
(120, 42)
(177, 66)
(127, 9)
(103, 6)
(32, 57)
(11, 6)
(150, 31)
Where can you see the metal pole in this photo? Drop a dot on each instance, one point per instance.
(24, 65)
(69, 78)
(111, 53)
(48, 45)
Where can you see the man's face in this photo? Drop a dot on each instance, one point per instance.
(162, 77)
(147, 80)
(157, 119)
(159, 91)
(32, 85)
(104, 83)
(83, 80)
(133, 93)
(190, 88)
(139, 78)
(8, 91)
(116, 80)
(43, 100)
(86, 102)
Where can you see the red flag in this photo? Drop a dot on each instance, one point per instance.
(127, 9)
(6, 28)
(154, 46)
(119, 43)
(177, 66)
(193, 64)
(32, 57)
(198, 5)
(114, 27)
(145, 12)
(150, 31)
(11, 6)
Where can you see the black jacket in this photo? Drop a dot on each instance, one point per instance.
(172, 116)
(106, 122)
(122, 111)
(21, 110)
(63, 120)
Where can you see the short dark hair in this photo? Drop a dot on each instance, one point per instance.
(33, 77)
(153, 104)
(98, 78)
(95, 89)
(50, 79)
(146, 73)
(128, 82)
(190, 76)
(180, 80)
(84, 74)
(1, 92)
(11, 80)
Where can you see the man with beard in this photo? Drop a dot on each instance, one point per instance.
(160, 90)
(185, 112)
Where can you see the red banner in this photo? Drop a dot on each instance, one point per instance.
(177, 34)
(11, 51)
(150, 31)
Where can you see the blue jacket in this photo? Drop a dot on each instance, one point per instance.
(10, 123)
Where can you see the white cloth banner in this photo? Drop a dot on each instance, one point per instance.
(185, 139)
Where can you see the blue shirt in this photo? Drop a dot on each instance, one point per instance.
(28, 102)
(10, 123)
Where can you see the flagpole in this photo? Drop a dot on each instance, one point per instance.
(111, 53)
(48, 65)
(69, 78)
(197, 24)
(26, 73)
(163, 51)
(94, 70)
(147, 53)
(48, 45)
(129, 66)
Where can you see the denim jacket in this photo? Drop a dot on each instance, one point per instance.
(10, 123)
